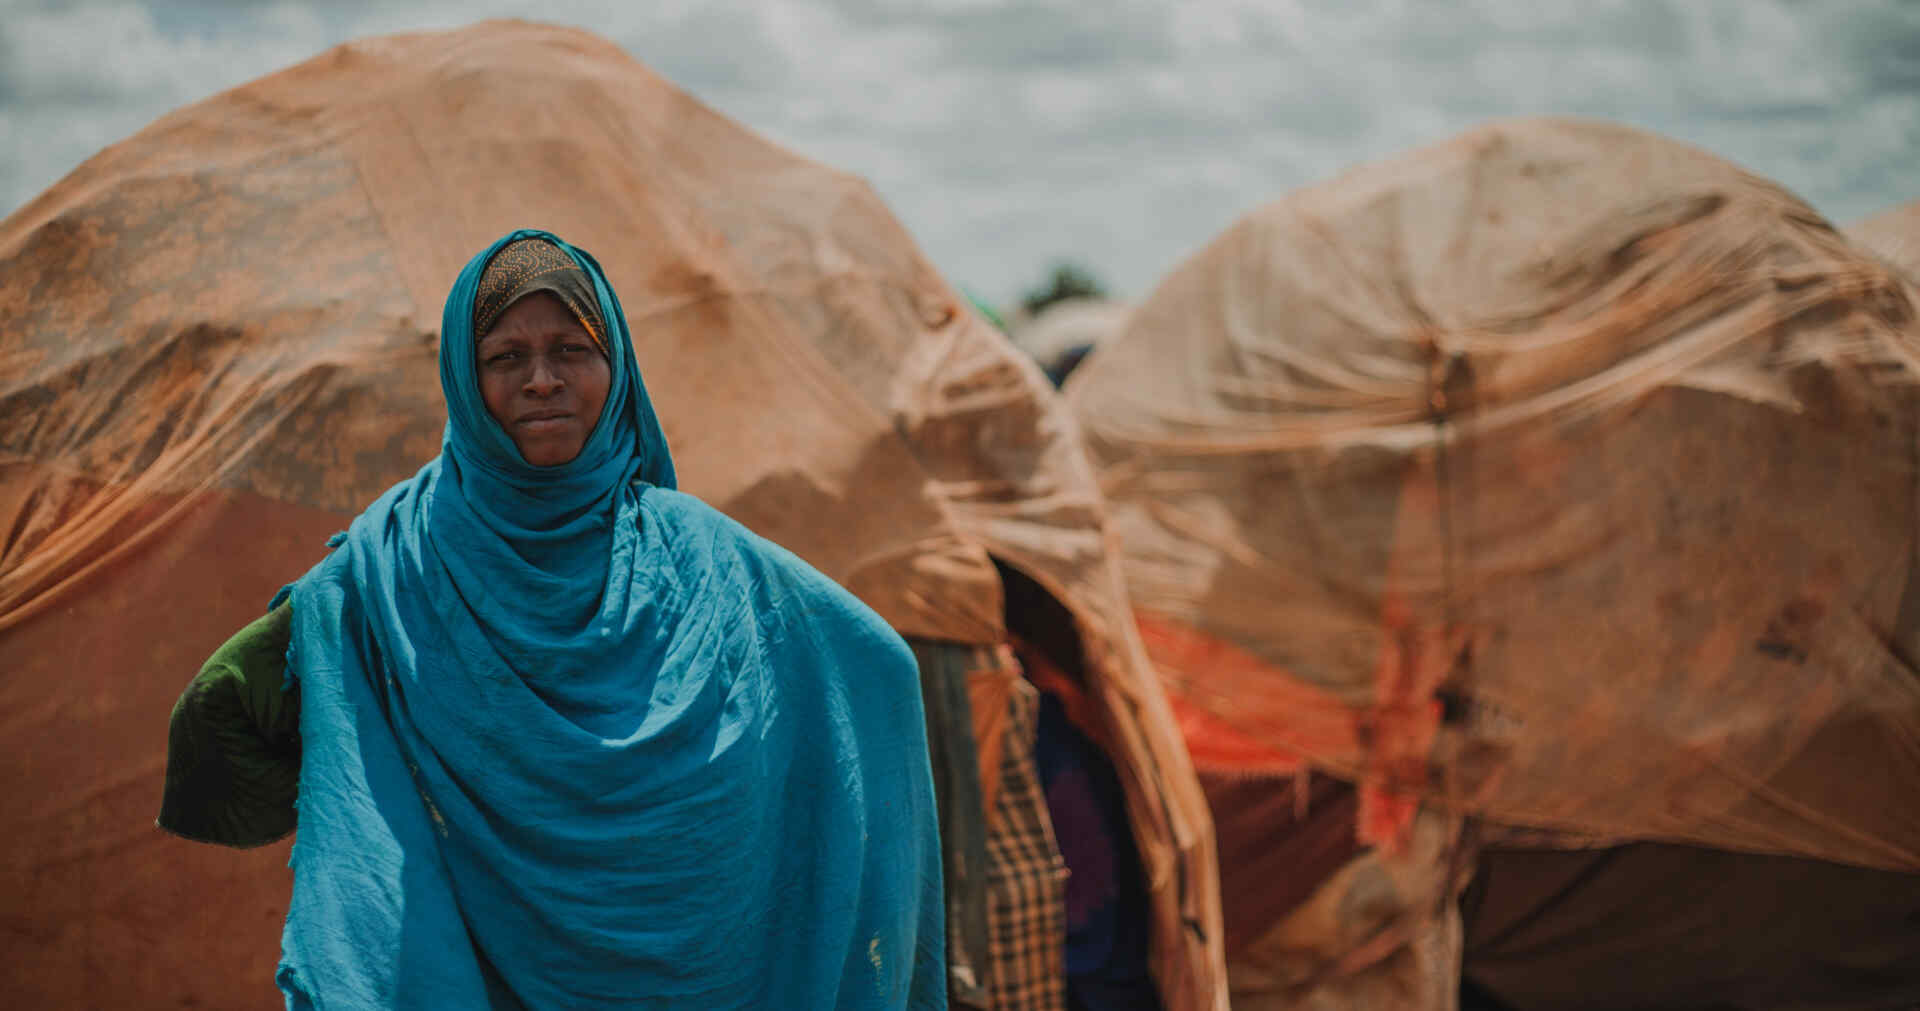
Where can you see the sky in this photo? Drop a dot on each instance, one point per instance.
(1118, 135)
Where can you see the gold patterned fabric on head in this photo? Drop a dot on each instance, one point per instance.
(526, 266)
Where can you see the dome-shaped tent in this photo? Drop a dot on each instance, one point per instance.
(217, 342)
(1559, 477)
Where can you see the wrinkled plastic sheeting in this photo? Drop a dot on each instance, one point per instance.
(218, 341)
(1560, 475)
(1893, 235)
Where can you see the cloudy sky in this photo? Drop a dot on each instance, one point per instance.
(1120, 134)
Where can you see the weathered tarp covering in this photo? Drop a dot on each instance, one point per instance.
(1560, 475)
(1894, 234)
(217, 343)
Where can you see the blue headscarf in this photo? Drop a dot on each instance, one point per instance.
(573, 739)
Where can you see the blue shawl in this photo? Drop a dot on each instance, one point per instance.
(573, 739)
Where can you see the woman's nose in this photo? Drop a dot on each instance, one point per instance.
(544, 380)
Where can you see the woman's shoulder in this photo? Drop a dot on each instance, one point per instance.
(690, 525)
(678, 507)
(687, 523)
(694, 518)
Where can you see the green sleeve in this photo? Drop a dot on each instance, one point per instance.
(233, 749)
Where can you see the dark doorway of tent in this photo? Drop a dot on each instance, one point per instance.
(1047, 900)
(1104, 898)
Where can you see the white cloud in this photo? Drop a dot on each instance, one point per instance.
(1006, 134)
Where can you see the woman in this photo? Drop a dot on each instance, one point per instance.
(565, 737)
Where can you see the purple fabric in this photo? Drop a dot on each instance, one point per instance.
(1107, 910)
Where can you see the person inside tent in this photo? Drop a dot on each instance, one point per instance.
(560, 735)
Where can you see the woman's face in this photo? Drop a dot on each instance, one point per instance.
(543, 379)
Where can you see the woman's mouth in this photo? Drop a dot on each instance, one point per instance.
(544, 421)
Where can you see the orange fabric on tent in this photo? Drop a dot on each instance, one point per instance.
(218, 341)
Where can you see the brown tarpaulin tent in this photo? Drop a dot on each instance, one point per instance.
(217, 342)
(1559, 476)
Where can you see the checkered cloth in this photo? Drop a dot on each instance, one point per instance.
(1026, 877)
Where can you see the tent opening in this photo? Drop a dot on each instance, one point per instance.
(1108, 915)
